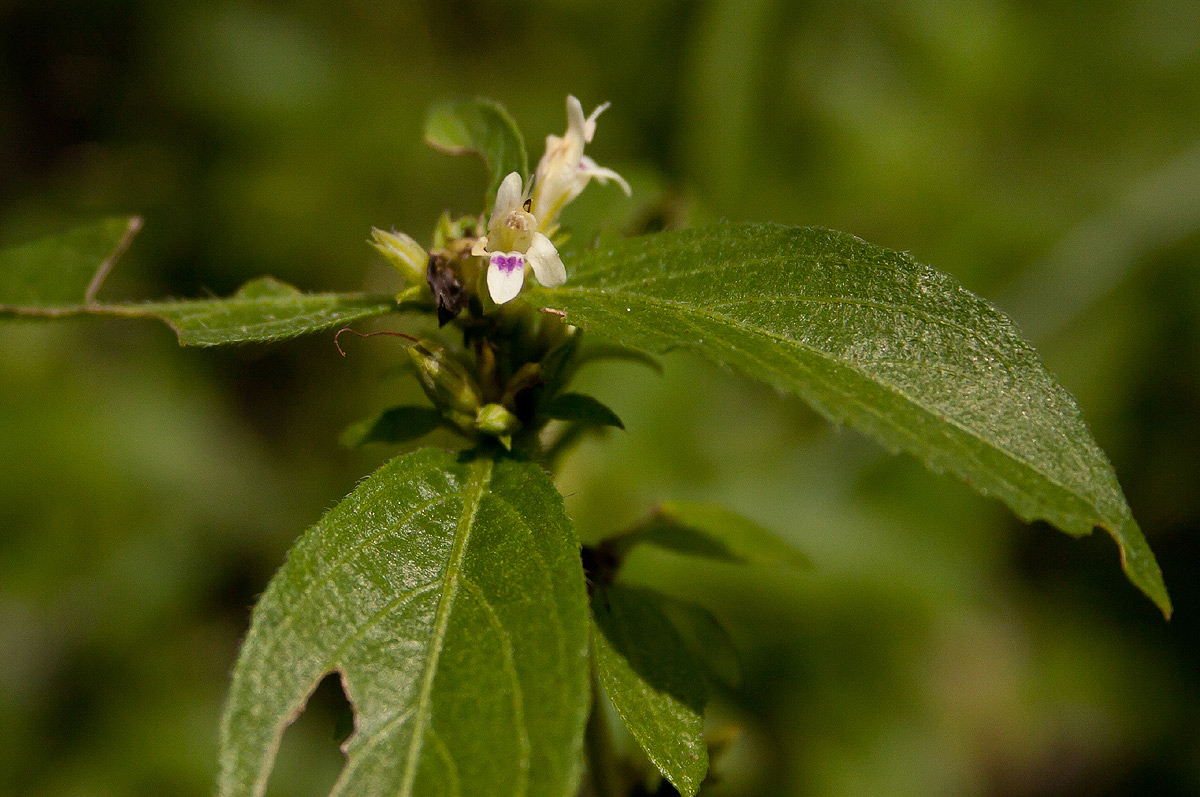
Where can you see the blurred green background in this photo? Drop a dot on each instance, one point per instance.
(1045, 153)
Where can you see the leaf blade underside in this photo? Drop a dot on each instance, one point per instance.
(693, 528)
(255, 319)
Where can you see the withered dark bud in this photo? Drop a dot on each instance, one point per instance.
(449, 293)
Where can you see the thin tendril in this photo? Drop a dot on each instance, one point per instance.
(338, 345)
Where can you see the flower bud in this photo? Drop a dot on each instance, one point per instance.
(496, 420)
(449, 386)
(403, 254)
(449, 230)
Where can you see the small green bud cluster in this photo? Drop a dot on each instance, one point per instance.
(494, 387)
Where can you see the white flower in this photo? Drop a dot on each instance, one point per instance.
(512, 241)
(564, 170)
(520, 225)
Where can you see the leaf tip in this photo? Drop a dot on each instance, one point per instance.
(1139, 564)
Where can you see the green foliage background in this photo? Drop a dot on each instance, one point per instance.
(1044, 154)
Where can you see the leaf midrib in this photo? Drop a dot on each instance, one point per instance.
(478, 480)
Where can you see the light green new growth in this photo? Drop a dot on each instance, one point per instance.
(479, 127)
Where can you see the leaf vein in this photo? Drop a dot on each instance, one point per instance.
(560, 638)
(451, 765)
(477, 486)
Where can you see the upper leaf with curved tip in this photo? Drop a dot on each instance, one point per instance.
(874, 339)
(449, 596)
(480, 127)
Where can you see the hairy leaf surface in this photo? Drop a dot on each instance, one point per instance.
(449, 596)
(479, 127)
(873, 339)
(263, 310)
(654, 682)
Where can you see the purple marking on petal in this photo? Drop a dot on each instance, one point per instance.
(508, 264)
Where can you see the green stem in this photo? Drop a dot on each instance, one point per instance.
(602, 765)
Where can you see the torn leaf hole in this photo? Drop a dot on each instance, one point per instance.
(310, 757)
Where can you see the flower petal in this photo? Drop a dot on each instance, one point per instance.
(589, 124)
(479, 248)
(547, 265)
(508, 198)
(575, 122)
(505, 276)
(602, 174)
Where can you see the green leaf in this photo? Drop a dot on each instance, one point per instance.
(599, 352)
(256, 317)
(60, 276)
(62, 272)
(710, 531)
(267, 288)
(448, 594)
(392, 426)
(873, 339)
(705, 636)
(582, 409)
(653, 681)
(479, 127)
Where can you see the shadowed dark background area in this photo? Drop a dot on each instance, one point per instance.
(1046, 154)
